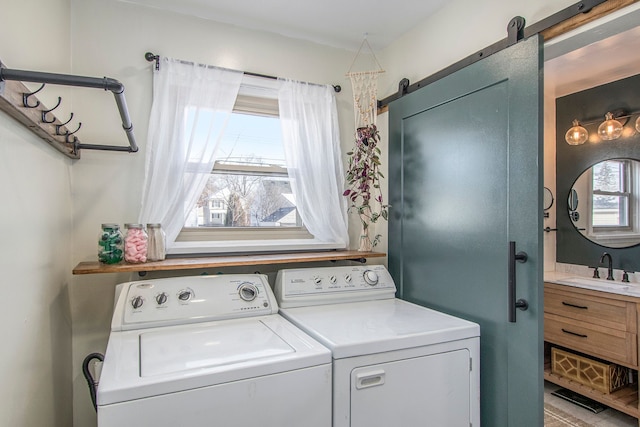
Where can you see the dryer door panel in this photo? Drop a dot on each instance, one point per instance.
(431, 390)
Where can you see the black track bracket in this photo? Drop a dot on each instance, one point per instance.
(403, 87)
(515, 30)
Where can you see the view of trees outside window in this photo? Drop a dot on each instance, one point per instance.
(248, 186)
(611, 194)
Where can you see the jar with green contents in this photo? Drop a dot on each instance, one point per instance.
(110, 244)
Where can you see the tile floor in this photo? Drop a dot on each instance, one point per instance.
(607, 418)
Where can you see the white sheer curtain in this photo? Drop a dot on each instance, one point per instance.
(312, 150)
(191, 105)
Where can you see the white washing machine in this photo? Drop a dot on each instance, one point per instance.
(394, 363)
(210, 351)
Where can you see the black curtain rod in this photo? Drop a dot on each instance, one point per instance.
(516, 32)
(156, 58)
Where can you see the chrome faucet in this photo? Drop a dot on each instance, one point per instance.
(610, 265)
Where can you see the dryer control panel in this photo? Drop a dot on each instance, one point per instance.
(330, 285)
(192, 299)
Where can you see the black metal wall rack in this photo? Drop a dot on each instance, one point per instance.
(22, 104)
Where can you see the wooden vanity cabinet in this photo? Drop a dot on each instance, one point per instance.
(599, 325)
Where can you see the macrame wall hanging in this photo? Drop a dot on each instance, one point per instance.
(363, 174)
(365, 89)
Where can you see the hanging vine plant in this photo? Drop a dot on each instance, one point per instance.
(363, 180)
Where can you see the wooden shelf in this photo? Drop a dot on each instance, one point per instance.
(624, 400)
(94, 267)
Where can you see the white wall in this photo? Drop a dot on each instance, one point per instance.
(109, 38)
(35, 224)
(460, 28)
(550, 177)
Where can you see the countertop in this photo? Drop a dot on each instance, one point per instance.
(602, 285)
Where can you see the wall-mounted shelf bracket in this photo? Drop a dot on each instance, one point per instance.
(21, 104)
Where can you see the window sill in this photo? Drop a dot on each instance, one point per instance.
(615, 238)
(198, 248)
(191, 263)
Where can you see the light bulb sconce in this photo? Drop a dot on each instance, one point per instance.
(611, 128)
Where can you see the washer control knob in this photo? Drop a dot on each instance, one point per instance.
(317, 280)
(347, 278)
(185, 295)
(371, 277)
(137, 302)
(333, 279)
(248, 291)
(161, 298)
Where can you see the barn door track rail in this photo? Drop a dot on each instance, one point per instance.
(21, 104)
(548, 27)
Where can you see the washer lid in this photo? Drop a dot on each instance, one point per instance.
(167, 352)
(361, 328)
(156, 361)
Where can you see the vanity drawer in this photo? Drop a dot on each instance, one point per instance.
(612, 313)
(606, 343)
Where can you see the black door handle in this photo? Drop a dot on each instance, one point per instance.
(513, 304)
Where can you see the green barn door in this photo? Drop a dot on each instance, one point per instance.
(465, 180)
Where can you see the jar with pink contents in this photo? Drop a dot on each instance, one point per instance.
(135, 244)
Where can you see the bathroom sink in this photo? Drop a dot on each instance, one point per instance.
(599, 284)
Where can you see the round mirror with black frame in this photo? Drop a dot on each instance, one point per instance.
(547, 200)
(604, 203)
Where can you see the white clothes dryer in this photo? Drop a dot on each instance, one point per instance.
(394, 363)
(210, 351)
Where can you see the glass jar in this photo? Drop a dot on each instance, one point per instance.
(156, 244)
(110, 244)
(135, 244)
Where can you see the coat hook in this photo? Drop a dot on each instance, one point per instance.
(25, 98)
(58, 127)
(44, 112)
(68, 134)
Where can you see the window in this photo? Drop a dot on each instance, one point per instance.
(248, 194)
(612, 191)
(604, 203)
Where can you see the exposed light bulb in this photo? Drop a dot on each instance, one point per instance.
(610, 128)
(638, 124)
(577, 135)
